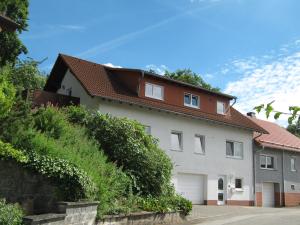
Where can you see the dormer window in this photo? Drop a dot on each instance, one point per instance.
(220, 107)
(154, 91)
(191, 100)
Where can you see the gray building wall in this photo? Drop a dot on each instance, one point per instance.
(276, 175)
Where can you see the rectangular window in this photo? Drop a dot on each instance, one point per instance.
(199, 144)
(234, 149)
(220, 107)
(147, 129)
(154, 91)
(238, 183)
(293, 164)
(267, 162)
(176, 141)
(191, 100)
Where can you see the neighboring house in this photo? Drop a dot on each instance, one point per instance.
(6, 24)
(209, 142)
(277, 166)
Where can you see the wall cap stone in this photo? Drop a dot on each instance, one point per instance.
(44, 218)
(78, 204)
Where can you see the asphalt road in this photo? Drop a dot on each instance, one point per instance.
(244, 216)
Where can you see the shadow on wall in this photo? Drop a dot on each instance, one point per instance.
(32, 191)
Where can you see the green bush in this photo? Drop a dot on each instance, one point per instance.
(165, 204)
(73, 183)
(125, 142)
(10, 214)
(52, 136)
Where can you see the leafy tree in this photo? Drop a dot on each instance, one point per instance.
(294, 129)
(7, 91)
(188, 76)
(11, 45)
(293, 116)
(26, 75)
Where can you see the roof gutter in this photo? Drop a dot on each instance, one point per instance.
(176, 113)
(234, 101)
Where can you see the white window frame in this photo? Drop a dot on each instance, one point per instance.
(242, 184)
(190, 104)
(152, 96)
(293, 169)
(203, 145)
(266, 166)
(234, 156)
(180, 140)
(223, 103)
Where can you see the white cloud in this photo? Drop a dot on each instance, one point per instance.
(267, 79)
(209, 76)
(161, 69)
(112, 65)
(72, 27)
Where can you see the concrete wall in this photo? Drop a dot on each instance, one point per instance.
(31, 190)
(212, 164)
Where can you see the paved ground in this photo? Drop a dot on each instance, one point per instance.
(236, 215)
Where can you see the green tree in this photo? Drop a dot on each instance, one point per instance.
(10, 44)
(7, 91)
(26, 75)
(294, 129)
(188, 76)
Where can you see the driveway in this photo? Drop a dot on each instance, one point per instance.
(237, 215)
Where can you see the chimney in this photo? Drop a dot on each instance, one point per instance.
(251, 114)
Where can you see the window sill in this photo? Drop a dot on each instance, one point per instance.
(176, 150)
(267, 168)
(198, 153)
(234, 157)
(239, 189)
(160, 99)
(191, 106)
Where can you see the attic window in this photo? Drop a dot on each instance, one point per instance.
(154, 91)
(191, 100)
(220, 107)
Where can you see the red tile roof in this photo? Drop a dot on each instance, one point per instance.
(98, 80)
(278, 137)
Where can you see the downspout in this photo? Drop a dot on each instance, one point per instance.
(234, 101)
(283, 193)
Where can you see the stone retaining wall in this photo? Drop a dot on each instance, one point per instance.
(32, 191)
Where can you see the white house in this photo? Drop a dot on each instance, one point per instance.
(209, 142)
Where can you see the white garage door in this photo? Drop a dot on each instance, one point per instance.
(191, 186)
(268, 195)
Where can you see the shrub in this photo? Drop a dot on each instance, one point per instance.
(73, 183)
(165, 204)
(52, 136)
(10, 214)
(125, 142)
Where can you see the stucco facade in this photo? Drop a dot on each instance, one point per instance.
(212, 164)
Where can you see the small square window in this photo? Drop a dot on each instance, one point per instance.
(191, 100)
(147, 129)
(293, 187)
(199, 144)
(176, 141)
(220, 107)
(238, 183)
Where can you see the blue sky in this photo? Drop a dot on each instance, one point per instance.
(248, 48)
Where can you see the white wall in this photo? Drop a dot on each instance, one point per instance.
(212, 164)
